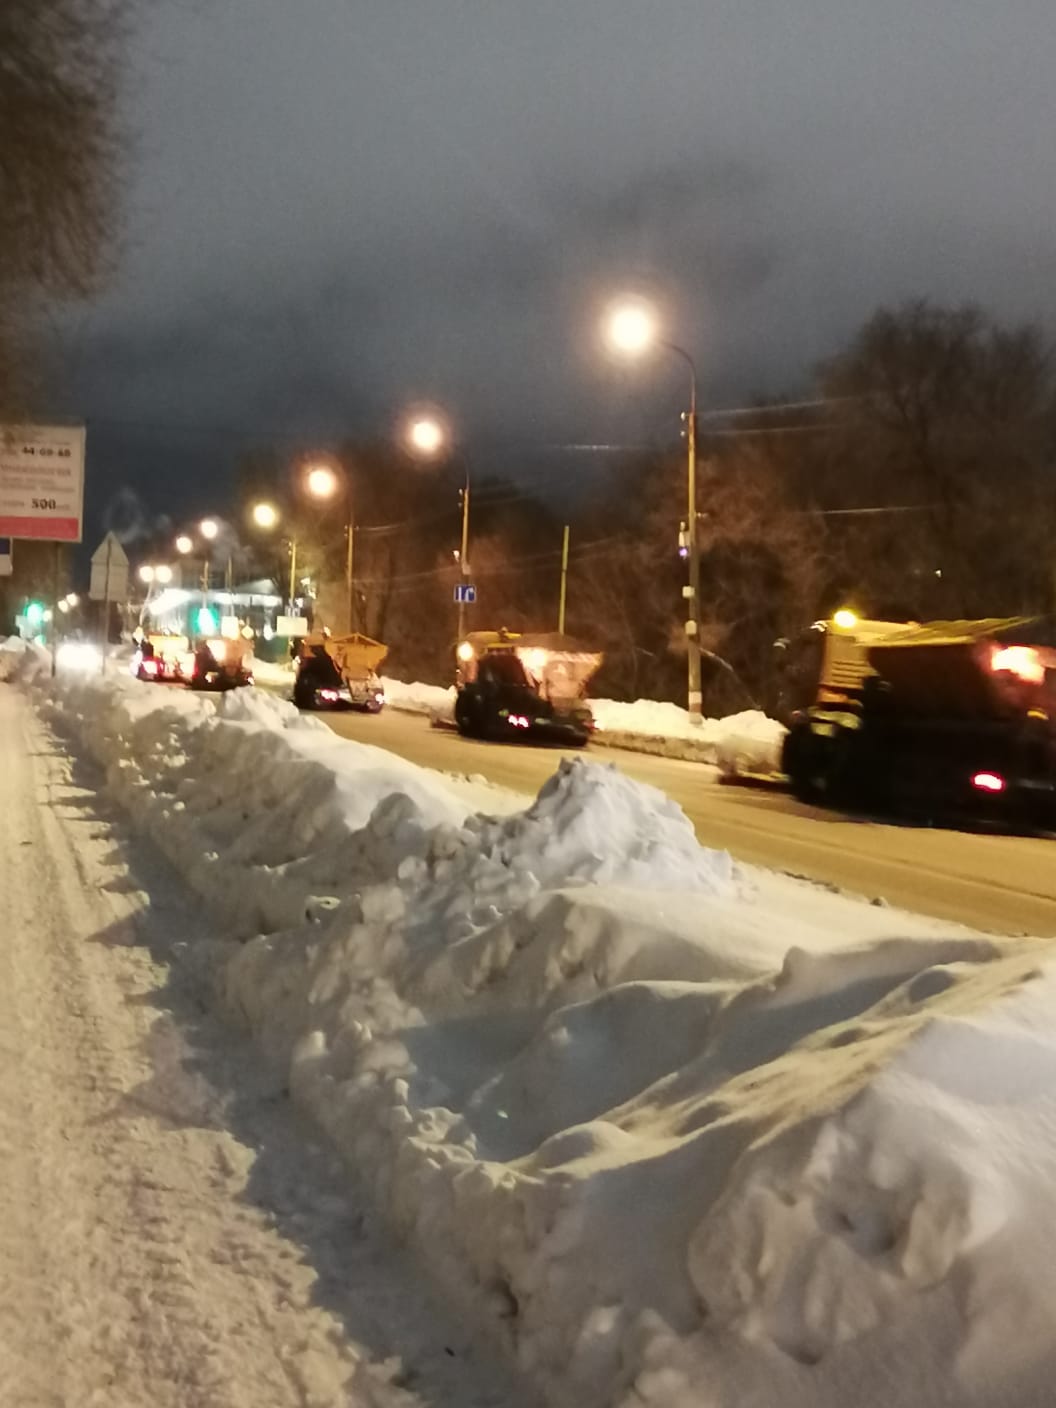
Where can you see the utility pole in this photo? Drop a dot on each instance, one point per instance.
(349, 580)
(463, 560)
(696, 698)
(564, 583)
(106, 602)
(293, 574)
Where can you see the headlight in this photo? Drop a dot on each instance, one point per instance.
(79, 655)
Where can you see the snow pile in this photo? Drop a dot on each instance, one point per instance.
(739, 743)
(678, 1132)
(22, 660)
(417, 698)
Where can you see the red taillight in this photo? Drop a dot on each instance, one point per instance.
(330, 695)
(988, 782)
(149, 667)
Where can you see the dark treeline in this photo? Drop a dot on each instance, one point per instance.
(919, 486)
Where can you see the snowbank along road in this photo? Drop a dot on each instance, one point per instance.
(1006, 884)
(672, 1130)
(170, 1234)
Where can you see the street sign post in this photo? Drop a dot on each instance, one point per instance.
(109, 581)
(109, 571)
(291, 626)
(42, 482)
(465, 593)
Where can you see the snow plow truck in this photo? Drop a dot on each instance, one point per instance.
(942, 719)
(524, 688)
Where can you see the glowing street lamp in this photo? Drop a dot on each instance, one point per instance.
(146, 574)
(209, 529)
(322, 482)
(426, 435)
(184, 545)
(267, 517)
(325, 484)
(632, 328)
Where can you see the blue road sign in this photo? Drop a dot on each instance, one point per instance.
(465, 593)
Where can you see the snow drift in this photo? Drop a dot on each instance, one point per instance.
(676, 1131)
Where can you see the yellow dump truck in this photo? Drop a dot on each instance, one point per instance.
(938, 718)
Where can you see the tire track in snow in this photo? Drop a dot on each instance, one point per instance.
(146, 1255)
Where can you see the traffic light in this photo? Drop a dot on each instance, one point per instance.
(206, 621)
(34, 614)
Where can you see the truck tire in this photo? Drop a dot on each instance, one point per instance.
(467, 715)
(799, 762)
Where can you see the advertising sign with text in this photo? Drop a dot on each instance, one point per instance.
(42, 482)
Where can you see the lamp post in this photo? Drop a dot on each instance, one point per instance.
(267, 517)
(324, 484)
(152, 575)
(426, 437)
(633, 329)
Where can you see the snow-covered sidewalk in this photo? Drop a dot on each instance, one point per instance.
(674, 1131)
(169, 1234)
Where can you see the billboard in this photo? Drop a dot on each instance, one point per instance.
(42, 482)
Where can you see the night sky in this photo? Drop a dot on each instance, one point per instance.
(335, 208)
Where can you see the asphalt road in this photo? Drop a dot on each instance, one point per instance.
(1005, 884)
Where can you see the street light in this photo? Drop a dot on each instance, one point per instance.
(146, 574)
(633, 328)
(426, 435)
(266, 516)
(208, 530)
(324, 484)
(321, 482)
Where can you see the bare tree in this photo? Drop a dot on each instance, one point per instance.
(58, 157)
(945, 411)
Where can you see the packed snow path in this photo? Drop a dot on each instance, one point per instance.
(169, 1236)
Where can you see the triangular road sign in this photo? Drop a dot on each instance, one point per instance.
(110, 549)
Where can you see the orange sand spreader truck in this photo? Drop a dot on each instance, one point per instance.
(339, 672)
(215, 663)
(524, 688)
(940, 720)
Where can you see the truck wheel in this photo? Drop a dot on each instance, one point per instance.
(799, 763)
(467, 716)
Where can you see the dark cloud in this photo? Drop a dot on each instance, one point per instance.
(340, 207)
